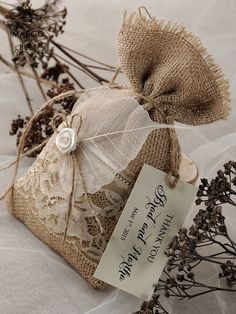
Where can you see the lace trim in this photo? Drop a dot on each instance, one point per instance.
(41, 185)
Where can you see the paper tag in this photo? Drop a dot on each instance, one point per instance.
(134, 258)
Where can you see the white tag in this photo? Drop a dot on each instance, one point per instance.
(134, 258)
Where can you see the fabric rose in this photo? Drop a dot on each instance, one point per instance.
(66, 140)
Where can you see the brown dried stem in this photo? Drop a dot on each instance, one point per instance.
(38, 83)
(24, 73)
(75, 66)
(82, 65)
(3, 10)
(20, 78)
(70, 74)
(91, 59)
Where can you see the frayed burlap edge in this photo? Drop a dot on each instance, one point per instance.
(135, 19)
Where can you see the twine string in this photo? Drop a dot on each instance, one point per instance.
(75, 165)
(70, 203)
(54, 120)
(150, 103)
(112, 82)
(142, 7)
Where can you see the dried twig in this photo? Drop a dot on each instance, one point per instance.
(3, 10)
(38, 83)
(37, 52)
(89, 58)
(69, 73)
(24, 73)
(27, 97)
(82, 65)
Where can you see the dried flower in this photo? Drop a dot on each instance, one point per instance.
(218, 190)
(152, 307)
(31, 33)
(33, 29)
(186, 250)
(42, 127)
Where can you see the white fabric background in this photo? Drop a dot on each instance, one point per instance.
(34, 279)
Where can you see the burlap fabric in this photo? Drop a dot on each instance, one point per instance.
(172, 75)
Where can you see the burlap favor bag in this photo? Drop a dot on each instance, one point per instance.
(172, 79)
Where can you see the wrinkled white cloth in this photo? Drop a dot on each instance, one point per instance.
(33, 278)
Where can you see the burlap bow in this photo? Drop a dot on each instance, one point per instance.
(175, 77)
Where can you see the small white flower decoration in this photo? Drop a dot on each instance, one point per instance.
(66, 140)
